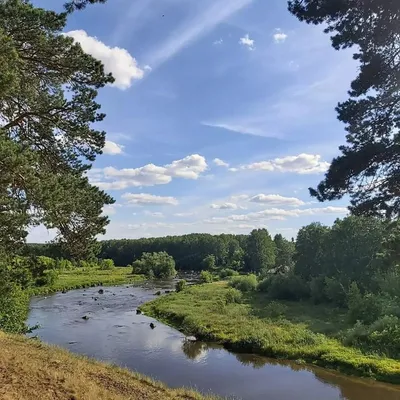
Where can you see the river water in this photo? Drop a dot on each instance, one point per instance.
(116, 334)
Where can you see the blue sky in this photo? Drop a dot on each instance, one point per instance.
(220, 118)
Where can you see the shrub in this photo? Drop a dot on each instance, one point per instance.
(14, 303)
(264, 285)
(335, 292)
(274, 309)
(318, 290)
(365, 308)
(159, 265)
(286, 287)
(383, 336)
(233, 296)
(227, 273)
(209, 262)
(106, 264)
(244, 283)
(48, 278)
(180, 285)
(206, 277)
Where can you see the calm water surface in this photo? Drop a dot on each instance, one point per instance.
(114, 333)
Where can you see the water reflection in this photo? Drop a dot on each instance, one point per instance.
(115, 333)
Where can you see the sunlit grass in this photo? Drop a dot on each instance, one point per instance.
(295, 334)
(86, 277)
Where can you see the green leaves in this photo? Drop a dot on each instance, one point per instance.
(368, 168)
(48, 88)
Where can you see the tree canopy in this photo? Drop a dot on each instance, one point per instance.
(368, 168)
(48, 88)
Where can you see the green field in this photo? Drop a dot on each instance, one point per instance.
(295, 331)
(86, 277)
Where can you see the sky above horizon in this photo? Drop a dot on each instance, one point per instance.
(221, 116)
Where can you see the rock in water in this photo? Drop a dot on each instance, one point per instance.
(138, 311)
(152, 326)
(101, 291)
(85, 317)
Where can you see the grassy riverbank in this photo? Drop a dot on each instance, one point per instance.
(86, 277)
(30, 369)
(257, 325)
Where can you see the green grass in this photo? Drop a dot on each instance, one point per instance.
(257, 326)
(86, 277)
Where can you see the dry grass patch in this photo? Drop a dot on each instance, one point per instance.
(30, 369)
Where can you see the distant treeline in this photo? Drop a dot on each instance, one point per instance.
(254, 252)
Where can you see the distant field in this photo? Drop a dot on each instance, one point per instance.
(85, 277)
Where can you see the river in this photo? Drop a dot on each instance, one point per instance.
(116, 334)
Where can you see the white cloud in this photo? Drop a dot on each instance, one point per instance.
(147, 68)
(183, 215)
(240, 197)
(193, 28)
(218, 42)
(116, 60)
(276, 214)
(224, 206)
(149, 199)
(112, 148)
(246, 41)
(279, 36)
(220, 163)
(300, 164)
(276, 200)
(154, 214)
(110, 209)
(110, 178)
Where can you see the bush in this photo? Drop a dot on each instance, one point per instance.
(274, 309)
(158, 265)
(227, 273)
(244, 283)
(206, 277)
(233, 296)
(335, 292)
(14, 304)
(48, 278)
(285, 287)
(318, 290)
(106, 264)
(209, 262)
(383, 336)
(365, 308)
(180, 285)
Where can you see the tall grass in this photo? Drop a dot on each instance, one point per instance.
(204, 312)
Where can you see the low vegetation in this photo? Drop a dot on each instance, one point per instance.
(37, 371)
(155, 265)
(252, 322)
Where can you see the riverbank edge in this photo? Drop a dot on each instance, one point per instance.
(30, 368)
(44, 290)
(332, 355)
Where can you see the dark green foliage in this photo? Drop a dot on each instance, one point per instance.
(245, 283)
(188, 251)
(227, 273)
(309, 256)
(368, 168)
(180, 285)
(47, 142)
(382, 336)
(318, 290)
(285, 287)
(260, 251)
(366, 307)
(155, 265)
(284, 252)
(336, 292)
(206, 277)
(209, 262)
